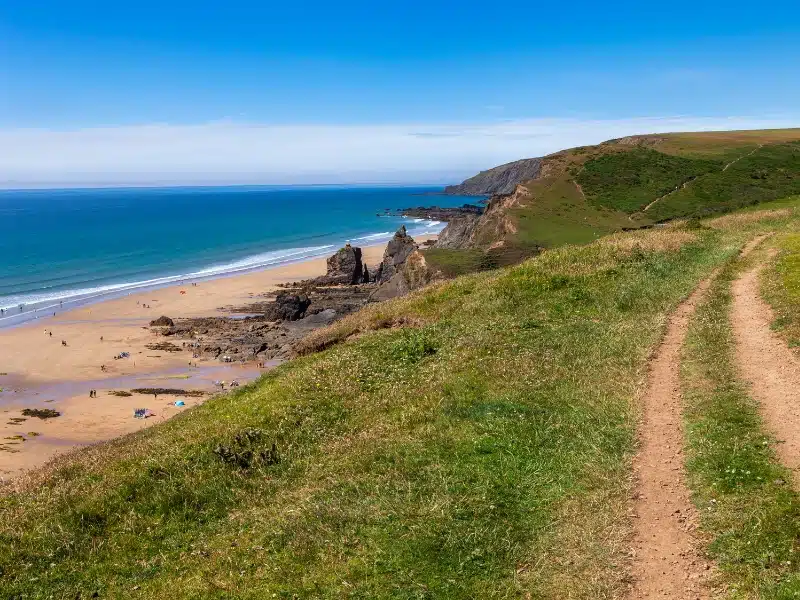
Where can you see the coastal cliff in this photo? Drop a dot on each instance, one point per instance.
(489, 229)
(498, 180)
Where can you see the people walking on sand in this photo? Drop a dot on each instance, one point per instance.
(51, 334)
(63, 342)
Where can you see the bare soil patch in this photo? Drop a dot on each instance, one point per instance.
(666, 561)
(768, 365)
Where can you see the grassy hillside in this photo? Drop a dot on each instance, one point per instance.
(472, 440)
(586, 192)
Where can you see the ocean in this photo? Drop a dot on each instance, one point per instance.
(63, 248)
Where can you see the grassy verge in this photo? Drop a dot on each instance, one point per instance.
(781, 288)
(459, 262)
(743, 494)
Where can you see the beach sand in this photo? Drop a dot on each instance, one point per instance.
(37, 371)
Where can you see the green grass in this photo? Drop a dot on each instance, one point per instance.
(452, 263)
(781, 287)
(629, 181)
(744, 496)
(768, 173)
(482, 452)
(587, 192)
(563, 216)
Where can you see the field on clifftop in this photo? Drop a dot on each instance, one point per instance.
(472, 440)
(583, 193)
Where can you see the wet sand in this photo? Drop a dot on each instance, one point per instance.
(37, 371)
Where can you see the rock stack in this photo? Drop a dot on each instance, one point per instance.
(403, 268)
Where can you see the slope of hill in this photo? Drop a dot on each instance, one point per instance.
(581, 193)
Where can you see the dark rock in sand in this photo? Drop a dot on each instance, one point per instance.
(41, 413)
(288, 306)
(162, 321)
(345, 267)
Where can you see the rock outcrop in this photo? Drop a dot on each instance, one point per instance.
(437, 213)
(403, 268)
(162, 321)
(458, 232)
(490, 229)
(346, 268)
(499, 180)
(288, 306)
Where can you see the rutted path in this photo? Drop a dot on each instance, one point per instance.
(666, 563)
(768, 365)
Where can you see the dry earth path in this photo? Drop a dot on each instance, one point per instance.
(768, 365)
(667, 562)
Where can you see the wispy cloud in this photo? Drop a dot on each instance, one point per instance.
(239, 152)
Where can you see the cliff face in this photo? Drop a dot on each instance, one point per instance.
(499, 180)
(487, 230)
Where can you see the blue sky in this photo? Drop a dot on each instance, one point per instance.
(82, 71)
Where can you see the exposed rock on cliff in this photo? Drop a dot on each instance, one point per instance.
(458, 232)
(403, 268)
(499, 180)
(487, 230)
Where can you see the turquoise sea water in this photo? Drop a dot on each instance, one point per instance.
(60, 248)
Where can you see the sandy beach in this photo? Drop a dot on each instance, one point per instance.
(38, 371)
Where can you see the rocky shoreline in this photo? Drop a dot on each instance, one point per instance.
(438, 213)
(271, 327)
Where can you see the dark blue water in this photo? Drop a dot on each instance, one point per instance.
(69, 246)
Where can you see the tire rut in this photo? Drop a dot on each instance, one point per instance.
(667, 562)
(767, 365)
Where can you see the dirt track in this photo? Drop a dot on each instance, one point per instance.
(767, 364)
(667, 563)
